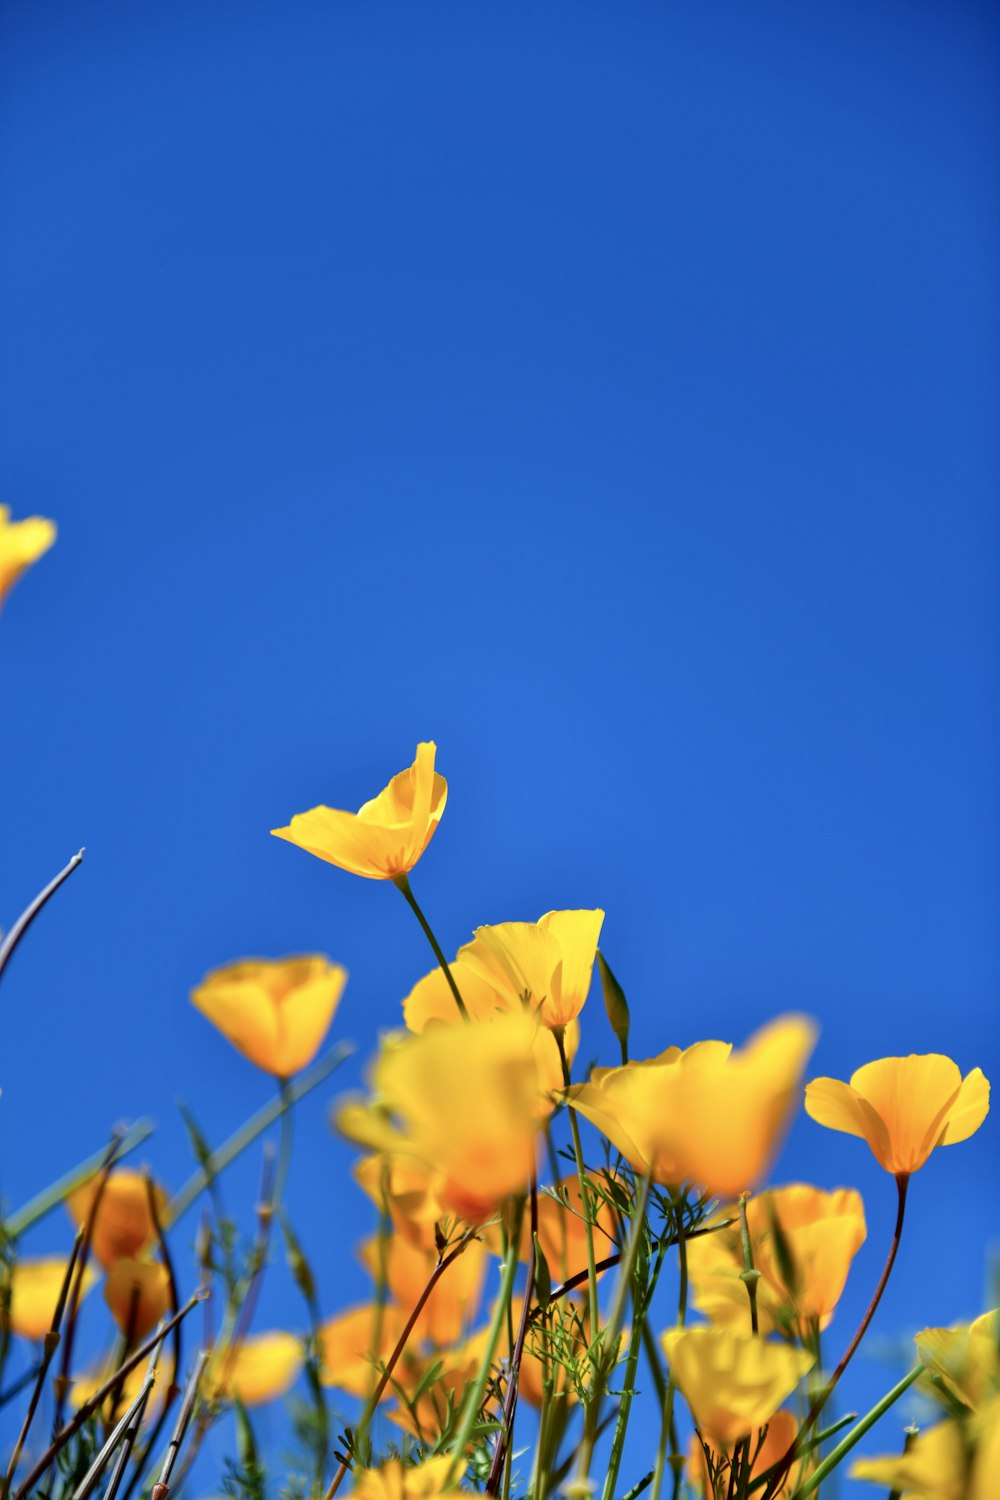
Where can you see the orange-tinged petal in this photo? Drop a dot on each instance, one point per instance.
(123, 1225)
(138, 1294)
(355, 1343)
(388, 834)
(34, 1293)
(932, 1469)
(454, 1302)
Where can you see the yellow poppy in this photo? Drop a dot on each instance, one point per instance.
(782, 1430)
(21, 544)
(469, 1101)
(383, 839)
(355, 1343)
(275, 1011)
(123, 1227)
(562, 1229)
(711, 1115)
(733, 1383)
(260, 1369)
(546, 965)
(34, 1291)
(138, 1294)
(398, 1481)
(934, 1467)
(903, 1107)
(431, 1003)
(820, 1232)
(962, 1363)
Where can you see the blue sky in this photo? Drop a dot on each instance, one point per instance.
(608, 393)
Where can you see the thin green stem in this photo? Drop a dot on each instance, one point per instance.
(477, 1391)
(402, 883)
(586, 1201)
(855, 1435)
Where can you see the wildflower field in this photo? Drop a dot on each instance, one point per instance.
(586, 1275)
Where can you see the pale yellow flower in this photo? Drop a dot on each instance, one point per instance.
(34, 1292)
(275, 1011)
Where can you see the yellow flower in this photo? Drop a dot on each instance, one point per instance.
(455, 1300)
(821, 1232)
(733, 1384)
(383, 839)
(355, 1343)
(21, 544)
(470, 1102)
(711, 1115)
(782, 1431)
(34, 1292)
(138, 1294)
(903, 1107)
(545, 965)
(959, 1459)
(123, 1227)
(260, 1368)
(562, 1231)
(275, 1011)
(398, 1481)
(431, 1003)
(964, 1361)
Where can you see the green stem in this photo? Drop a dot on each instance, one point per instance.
(856, 1434)
(586, 1201)
(608, 1337)
(402, 883)
(640, 1307)
(249, 1131)
(477, 1391)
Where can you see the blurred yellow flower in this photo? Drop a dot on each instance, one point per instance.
(962, 1363)
(442, 1379)
(470, 1102)
(21, 544)
(711, 1115)
(260, 1369)
(275, 1011)
(384, 838)
(545, 965)
(408, 1190)
(138, 1294)
(733, 1383)
(398, 1481)
(782, 1431)
(355, 1343)
(903, 1107)
(562, 1230)
(820, 1232)
(34, 1292)
(959, 1459)
(123, 1226)
(431, 1003)
(455, 1300)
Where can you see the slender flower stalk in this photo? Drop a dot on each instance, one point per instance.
(402, 883)
(503, 1444)
(586, 1200)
